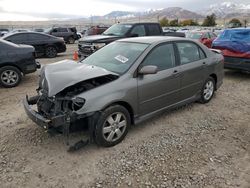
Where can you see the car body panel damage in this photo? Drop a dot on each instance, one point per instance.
(66, 73)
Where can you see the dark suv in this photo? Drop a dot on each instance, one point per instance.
(69, 34)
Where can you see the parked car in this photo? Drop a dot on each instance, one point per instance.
(39, 30)
(95, 30)
(15, 61)
(205, 37)
(3, 32)
(235, 45)
(69, 34)
(90, 44)
(19, 30)
(44, 44)
(124, 83)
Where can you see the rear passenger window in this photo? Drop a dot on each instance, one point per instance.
(153, 29)
(18, 37)
(35, 37)
(162, 56)
(139, 30)
(189, 52)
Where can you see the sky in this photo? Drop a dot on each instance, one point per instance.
(32, 10)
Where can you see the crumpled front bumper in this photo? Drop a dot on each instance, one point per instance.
(43, 122)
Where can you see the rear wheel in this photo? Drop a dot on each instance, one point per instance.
(10, 76)
(51, 52)
(208, 89)
(112, 126)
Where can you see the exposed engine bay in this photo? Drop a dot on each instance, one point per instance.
(65, 101)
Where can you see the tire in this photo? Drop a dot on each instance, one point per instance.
(50, 52)
(208, 90)
(71, 40)
(110, 129)
(10, 76)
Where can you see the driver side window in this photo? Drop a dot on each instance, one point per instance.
(139, 30)
(162, 56)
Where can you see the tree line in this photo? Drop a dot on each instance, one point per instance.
(209, 21)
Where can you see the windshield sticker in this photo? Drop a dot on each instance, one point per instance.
(121, 58)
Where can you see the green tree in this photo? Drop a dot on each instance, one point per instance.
(210, 20)
(174, 23)
(164, 22)
(189, 22)
(235, 23)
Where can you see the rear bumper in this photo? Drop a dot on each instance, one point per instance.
(237, 63)
(29, 68)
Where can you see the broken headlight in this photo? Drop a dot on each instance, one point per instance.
(77, 103)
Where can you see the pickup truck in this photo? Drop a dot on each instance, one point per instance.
(90, 44)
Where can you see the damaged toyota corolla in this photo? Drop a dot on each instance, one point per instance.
(124, 83)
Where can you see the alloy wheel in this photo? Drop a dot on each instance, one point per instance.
(9, 77)
(114, 126)
(208, 90)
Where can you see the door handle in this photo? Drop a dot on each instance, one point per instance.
(176, 73)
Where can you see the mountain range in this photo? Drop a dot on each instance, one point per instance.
(221, 10)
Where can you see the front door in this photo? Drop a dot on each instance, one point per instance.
(159, 90)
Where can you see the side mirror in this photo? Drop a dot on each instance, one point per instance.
(149, 69)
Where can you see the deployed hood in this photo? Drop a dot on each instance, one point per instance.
(66, 73)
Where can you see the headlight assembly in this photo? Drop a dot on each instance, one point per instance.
(98, 45)
(77, 103)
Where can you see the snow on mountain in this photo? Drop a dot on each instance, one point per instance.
(226, 9)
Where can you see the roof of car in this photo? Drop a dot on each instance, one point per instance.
(24, 32)
(153, 39)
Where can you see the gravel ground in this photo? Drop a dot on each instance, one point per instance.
(193, 146)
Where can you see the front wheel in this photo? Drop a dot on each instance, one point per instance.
(208, 89)
(112, 126)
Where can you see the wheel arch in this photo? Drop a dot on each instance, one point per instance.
(12, 65)
(214, 76)
(125, 105)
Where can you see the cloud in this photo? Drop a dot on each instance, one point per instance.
(50, 9)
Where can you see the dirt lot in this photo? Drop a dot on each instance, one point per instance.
(194, 146)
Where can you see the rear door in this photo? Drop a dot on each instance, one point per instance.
(193, 65)
(157, 91)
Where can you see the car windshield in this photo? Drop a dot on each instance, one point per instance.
(193, 35)
(116, 57)
(118, 29)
